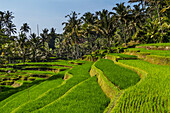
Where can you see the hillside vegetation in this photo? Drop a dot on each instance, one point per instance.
(118, 83)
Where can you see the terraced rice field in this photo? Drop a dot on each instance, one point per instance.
(120, 76)
(17, 77)
(151, 95)
(152, 52)
(45, 96)
(119, 86)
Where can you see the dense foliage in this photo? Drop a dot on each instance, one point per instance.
(145, 22)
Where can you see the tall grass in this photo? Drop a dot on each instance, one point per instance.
(80, 73)
(152, 52)
(156, 44)
(120, 76)
(151, 95)
(27, 95)
(87, 97)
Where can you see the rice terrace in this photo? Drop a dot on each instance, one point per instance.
(110, 61)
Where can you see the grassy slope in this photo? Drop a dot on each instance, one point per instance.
(156, 44)
(122, 55)
(153, 52)
(27, 95)
(7, 91)
(80, 73)
(62, 62)
(87, 97)
(151, 95)
(120, 76)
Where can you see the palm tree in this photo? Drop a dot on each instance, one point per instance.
(22, 41)
(87, 29)
(11, 28)
(25, 28)
(2, 14)
(35, 46)
(44, 36)
(51, 41)
(106, 26)
(8, 18)
(72, 30)
(142, 2)
(123, 17)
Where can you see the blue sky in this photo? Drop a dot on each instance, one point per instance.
(51, 13)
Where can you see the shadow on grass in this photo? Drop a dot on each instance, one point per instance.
(6, 92)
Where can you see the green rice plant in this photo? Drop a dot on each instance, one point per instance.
(120, 76)
(59, 62)
(151, 94)
(122, 55)
(87, 97)
(162, 60)
(155, 44)
(7, 91)
(152, 52)
(44, 66)
(14, 101)
(37, 72)
(79, 72)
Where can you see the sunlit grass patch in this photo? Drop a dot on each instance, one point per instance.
(120, 76)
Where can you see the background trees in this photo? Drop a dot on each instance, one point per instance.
(147, 21)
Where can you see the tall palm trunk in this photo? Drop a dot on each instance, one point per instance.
(124, 36)
(157, 8)
(23, 56)
(76, 51)
(108, 43)
(34, 59)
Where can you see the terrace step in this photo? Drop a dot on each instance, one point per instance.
(38, 103)
(70, 90)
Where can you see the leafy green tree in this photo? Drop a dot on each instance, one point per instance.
(44, 36)
(23, 45)
(25, 28)
(105, 25)
(35, 47)
(87, 29)
(122, 16)
(72, 31)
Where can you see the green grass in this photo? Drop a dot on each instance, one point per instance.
(156, 44)
(36, 72)
(87, 97)
(59, 62)
(48, 67)
(153, 52)
(120, 76)
(28, 95)
(80, 73)
(9, 90)
(7, 69)
(151, 95)
(122, 55)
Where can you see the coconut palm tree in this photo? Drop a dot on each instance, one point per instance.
(35, 46)
(123, 17)
(25, 28)
(11, 29)
(72, 30)
(105, 25)
(2, 14)
(87, 29)
(51, 39)
(44, 36)
(22, 43)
